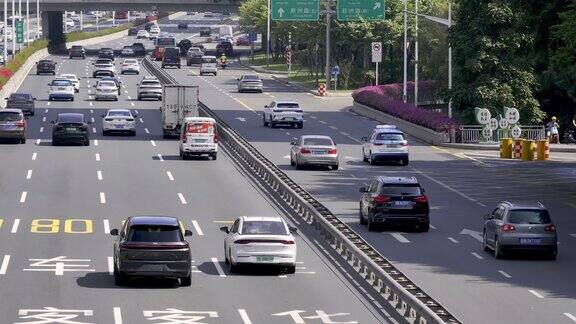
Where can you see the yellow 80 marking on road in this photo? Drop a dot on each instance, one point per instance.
(71, 226)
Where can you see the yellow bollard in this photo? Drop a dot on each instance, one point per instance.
(506, 145)
(542, 150)
(528, 148)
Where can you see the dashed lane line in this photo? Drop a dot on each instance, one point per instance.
(29, 174)
(451, 239)
(34, 156)
(478, 256)
(400, 238)
(117, 315)
(15, 226)
(95, 142)
(106, 226)
(141, 120)
(97, 156)
(46, 110)
(169, 174)
(218, 267)
(23, 196)
(244, 316)
(197, 227)
(42, 129)
(99, 175)
(146, 130)
(48, 103)
(449, 188)
(152, 142)
(110, 265)
(160, 157)
(91, 111)
(570, 316)
(92, 119)
(44, 118)
(94, 130)
(182, 199)
(535, 293)
(4, 266)
(504, 274)
(102, 198)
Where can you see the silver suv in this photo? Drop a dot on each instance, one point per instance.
(520, 227)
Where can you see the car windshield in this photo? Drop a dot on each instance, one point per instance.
(250, 78)
(120, 113)
(200, 128)
(9, 116)
(264, 228)
(70, 118)
(389, 137)
(318, 141)
(154, 233)
(150, 84)
(103, 61)
(127, 47)
(529, 217)
(68, 76)
(130, 62)
(209, 60)
(20, 96)
(287, 105)
(400, 189)
(106, 84)
(60, 83)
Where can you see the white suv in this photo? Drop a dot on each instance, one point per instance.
(283, 112)
(385, 143)
(118, 120)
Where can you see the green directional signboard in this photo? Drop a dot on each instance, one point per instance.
(349, 10)
(19, 32)
(290, 10)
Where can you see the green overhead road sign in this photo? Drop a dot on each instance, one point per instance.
(349, 10)
(20, 32)
(295, 10)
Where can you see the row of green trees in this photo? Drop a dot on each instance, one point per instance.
(506, 53)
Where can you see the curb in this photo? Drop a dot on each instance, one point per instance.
(481, 147)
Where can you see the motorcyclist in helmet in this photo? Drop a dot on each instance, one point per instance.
(223, 59)
(552, 130)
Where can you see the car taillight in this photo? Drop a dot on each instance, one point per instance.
(421, 199)
(155, 246)
(183, 138)
(404, 143)
(380, 199)
(305, 151)
(333, 151)
(288, 242)
(20, 124)
(242, 241)
(108, 119)
(83, 127)
(215, 139)
(507, 228)
(550, 228)
(378, 144)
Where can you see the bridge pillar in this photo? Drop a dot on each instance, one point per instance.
(53, 30)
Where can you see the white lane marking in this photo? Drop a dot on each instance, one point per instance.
(91, 111)
(29, 174)
(126, 91)
(4, 266)
(432, 226)
(106, 226)
(129, 98)
(44, 118)
(573, 235)
(218, 267)
(117, 315)
(400, 237)
(136, 111)
(95, 142)
(152, 142)
(182, 199)
(15, 225)
(450, 188)
(332, 127)
(23, 196)
(91, 104)
(169, 174)
(478, 256)
(42, 129)
(48, 103)
(452, 240)
(146, 130)
(38, 141)
(535, 293)
(110, 265)
(323, 122)
(570, 316)
(92, 119)
(99, 174)
(93, 129)
(504, 274)
(197, 227)
(46, 110)
(34, 156)
(344, 133)
(102, 198)
(97, 156)
(140, 119)
(132, 104)
(244, 316)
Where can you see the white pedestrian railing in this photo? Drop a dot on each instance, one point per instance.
(473, 133)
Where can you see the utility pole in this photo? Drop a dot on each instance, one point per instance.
(405, 83)
(27, 20)
(268, 37)
(37, 18)
(13, 28)
(449, 60)
(328, 23)
(5, 31)
(416, 56)
(81, 20)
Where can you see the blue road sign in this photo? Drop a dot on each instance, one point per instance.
(252, 36)
(335, 70)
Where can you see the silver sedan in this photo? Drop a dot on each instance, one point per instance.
(250, 82)
(314, 150)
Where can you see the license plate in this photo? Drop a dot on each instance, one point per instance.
(119, 126)
(70, 129)
(265, 258)
(61, 88)
(402, 204)
(319, 152)
(200, 140)
(153, 267)
(6, 126)
(392, 145)
(530, 241)
(288, 118)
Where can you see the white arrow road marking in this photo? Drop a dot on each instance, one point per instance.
(377, 5)
(400, 237)
(474, 234)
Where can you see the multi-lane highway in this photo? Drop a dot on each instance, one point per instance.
(60, 202)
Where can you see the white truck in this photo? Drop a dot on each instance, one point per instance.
(178, 102)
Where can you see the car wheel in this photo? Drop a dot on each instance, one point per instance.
(300, 125)
(361, 215)
(485, 242)
(231, 266)
(272, 124)
(72, 99)
(104, 133)
(264, 122)
(139, 98)
(291, 160)
(54, 142)
(119, 277)
(291, 269)
(183, 155)
(364, 157)
(214, 156)
(424, 227)
(370, 159)
(335, 167)
(370, 223)
(186, 281)
(87, 142)
(23, 140)
(297, 165)
(497, 250)
(226, 261)
(405, 161)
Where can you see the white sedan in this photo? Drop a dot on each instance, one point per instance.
(106, 90)
(142, 34)
(73, 78)
(118, 120)
(254, 240)
(130, 66)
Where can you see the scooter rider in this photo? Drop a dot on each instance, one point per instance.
(552, 130)
(223, 60)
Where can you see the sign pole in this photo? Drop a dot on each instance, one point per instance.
(5, 32)
(376, 73)
(268, 37)
(405, 83)
(328, 20)
(416, 55)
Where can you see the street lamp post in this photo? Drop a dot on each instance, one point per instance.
(416, 55)
(27, 20)
(5, 31)
(37, 18)
(404, 85)
(13, 28)
(81, 20)
(268, 36)
(328, 27)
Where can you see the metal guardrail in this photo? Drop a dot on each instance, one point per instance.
(411, 302)
(473, 133)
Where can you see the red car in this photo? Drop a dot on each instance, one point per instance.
(150, 18)
(242, 41)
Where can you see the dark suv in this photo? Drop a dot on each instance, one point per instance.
(106, 53)
(12, 125)
(46, 66)
(152, 246)
(171, 57)
(224, 47)
(184, 46)
(205, 32)
(70, 128)
(394, 200)
(77, 51)
(139, 49)
(133, 31)
(22, 101)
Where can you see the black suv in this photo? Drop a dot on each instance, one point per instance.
(23, 101)
(133, 31)
(224, 47)
(70, 128)
(152, 246)
(182, 25)
(46, 66)
(139, 49)
(394, 200)
(106, 53)
(77, 51)
(171, 57)
(184, 46)
(205, 31)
